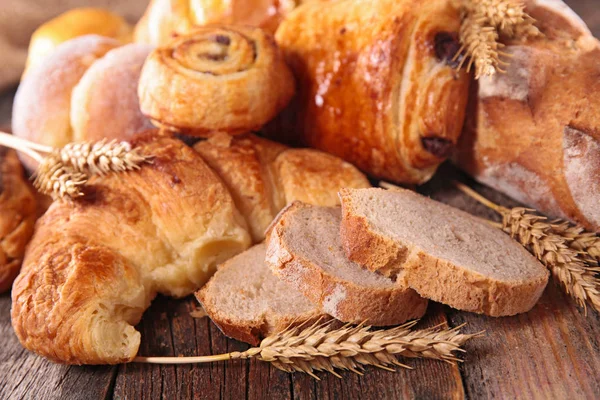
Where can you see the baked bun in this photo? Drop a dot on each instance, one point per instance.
(218, 78)
(165, 18)
(71, 24)
(42, 109)
(17, 218)
(377, 83)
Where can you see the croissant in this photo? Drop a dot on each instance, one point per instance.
(164, 18)
(547, 154)
(377, 83)
(94, 265)
(217, 78)
(84, 83)
(17, 217)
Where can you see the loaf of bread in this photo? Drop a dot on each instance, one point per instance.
(17, 216)
(304, 250)
(94, 264)
(533, 133)
(216, 78)
(164, 19)
(71, 24)
(71, 98)
(247, 302)
(377, 83)
(445, 254)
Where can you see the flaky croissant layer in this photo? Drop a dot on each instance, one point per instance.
(94, 265)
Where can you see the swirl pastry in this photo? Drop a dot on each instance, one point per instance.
(377, 83)
(17, 217)
(217, 78)
(94, 265)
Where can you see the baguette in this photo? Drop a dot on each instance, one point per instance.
(445, 254)
(304, 250)
(247, 302)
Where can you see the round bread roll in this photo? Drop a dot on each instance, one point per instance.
(217, 78)
(71, 24)
(104, 98)
(17, 218)
(108, 92)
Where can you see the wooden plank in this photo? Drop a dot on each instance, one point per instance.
(27, 376)
(550, 352)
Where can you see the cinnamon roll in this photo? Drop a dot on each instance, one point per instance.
(377, 83)
(217, 78)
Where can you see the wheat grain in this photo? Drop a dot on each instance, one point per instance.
(102, 157)
(480, 44)
(507, 16)
(322, 347)
(57, 180)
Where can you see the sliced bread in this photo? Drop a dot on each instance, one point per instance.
(445, 254)
(247, 302)
(304, 249)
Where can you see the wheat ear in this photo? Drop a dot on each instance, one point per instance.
(321, 347)
(61, 173)
(481, 45)
(570, 253)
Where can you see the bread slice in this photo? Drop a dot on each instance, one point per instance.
(247, 302)
(445, 254)
(304, 249)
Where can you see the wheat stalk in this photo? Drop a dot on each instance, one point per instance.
(569, 252)
(483, 21)
(61, 173)
(322, 347)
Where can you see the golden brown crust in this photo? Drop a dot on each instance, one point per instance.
(71, 24)
(547, 155)
(94, 265)
(218, 78)
(17, 218)
(165, 18)
(263, 176)
(342, 299)
(376, 84)
(41, 111)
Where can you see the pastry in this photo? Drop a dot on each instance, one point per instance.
(17, 218)
(94, 264)
(217, 78)
(377, 83)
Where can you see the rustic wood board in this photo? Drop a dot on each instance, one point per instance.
(551, 352)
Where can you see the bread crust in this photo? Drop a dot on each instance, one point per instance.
(433, 278)
(19, 212)
(343, 300)
(538, 156)
(375, 83)
(216, 79)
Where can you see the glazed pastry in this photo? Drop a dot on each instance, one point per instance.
(70, 98)
(547, 154)
(377, 83)
(94, 265)
(165, 18)
(72, 24)
(217, 78)
(17, 218)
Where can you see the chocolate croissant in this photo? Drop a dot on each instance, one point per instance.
(217, 78)
(377, 83)
(17, 216)
(94, 265)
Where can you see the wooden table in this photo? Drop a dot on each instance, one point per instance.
(551, 352)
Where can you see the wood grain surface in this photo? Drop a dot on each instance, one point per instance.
(552, 352)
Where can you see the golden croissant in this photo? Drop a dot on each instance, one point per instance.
(94, 265)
